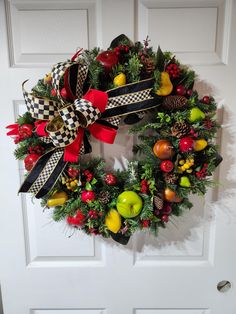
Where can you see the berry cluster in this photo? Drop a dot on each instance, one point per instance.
(164, 212)
(71, 184)
(93, 214)
(201, 174)
(173, 70)
(37, 149)
(110, 179)
(144, 187)
(73, 172)
(88, 175)
(122, 49)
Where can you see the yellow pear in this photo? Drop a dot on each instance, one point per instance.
(119, 80)
(200, 145)
(58, 198)
(166, 85)
(113, 221)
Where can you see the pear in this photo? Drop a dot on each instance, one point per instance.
(113, 221)
(184, 182)
(119, 80)
(57, 199)
(196, 115)
(200, 145)
(166, 85)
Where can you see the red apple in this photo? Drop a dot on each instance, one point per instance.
(186, 144)
(30, 161)
(77, 219)
(167, 166)
(88, 196)
(108, 59)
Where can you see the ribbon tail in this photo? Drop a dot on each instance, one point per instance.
(44, 174)
(72, 151)
(103, 133)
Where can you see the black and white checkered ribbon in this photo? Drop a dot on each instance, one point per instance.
(58, 72)
(81, 113)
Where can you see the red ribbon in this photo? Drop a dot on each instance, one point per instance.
(40, 127)
(101, 132)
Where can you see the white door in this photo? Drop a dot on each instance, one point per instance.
(42, 269)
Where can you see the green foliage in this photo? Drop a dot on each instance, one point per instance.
(143, 174)
(133, 68)
(22, 149)
(26, 118)
(43, 90)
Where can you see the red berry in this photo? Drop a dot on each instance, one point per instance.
(186, 144)
(77, 219)
(165, 218)
(180, 90)
(30, 161)
(167, 209)
(72, 172)
(25, 131)
(53, 92)
(145, 223)
(93, 214)
(88, 196)
(167, 166)
(189, 92)
(156, 212)
(63, 93)
(110, 179)
(206, 100)
(37, 149)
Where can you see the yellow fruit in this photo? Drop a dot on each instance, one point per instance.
(48, 78)
(181, 162)
(119, 80)
(113, 221)
(200, 145)
(166, 85)
(58, 198)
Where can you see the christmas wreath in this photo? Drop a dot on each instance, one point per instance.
(89, 95)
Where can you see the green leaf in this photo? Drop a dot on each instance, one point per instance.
(160, 59)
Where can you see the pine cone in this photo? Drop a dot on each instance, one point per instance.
(149, 65)
(180, 129)
(158, 201)
(104, 197)
(174, 102)
(170, 178)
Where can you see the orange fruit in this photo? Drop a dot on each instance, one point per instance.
(163, 149)
(170, 196)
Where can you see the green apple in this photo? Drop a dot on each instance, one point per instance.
(129, 204)
(196, 114)
(184, 182)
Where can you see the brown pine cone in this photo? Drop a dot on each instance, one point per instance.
(104, 197)
(170, 178)
(149, 65)
(174, 102)
(158, 201)
(180, 129)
